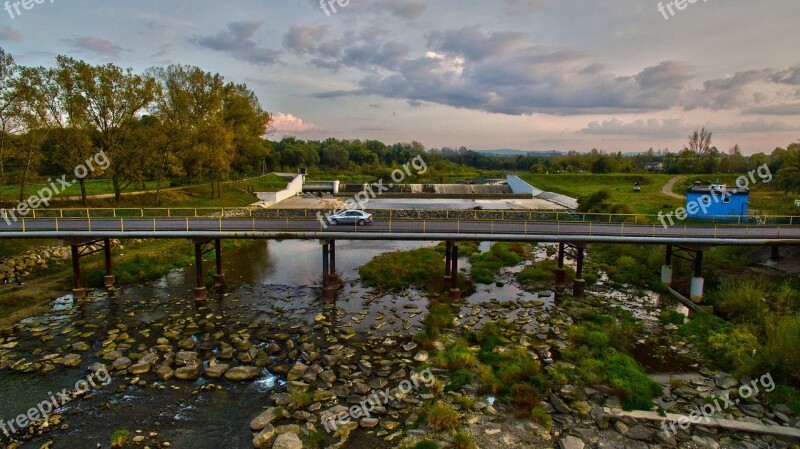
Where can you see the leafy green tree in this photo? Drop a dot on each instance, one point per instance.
(788, 176)
(113, 99)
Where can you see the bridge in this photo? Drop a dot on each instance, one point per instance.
(85, 227)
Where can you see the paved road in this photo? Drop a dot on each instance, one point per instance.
(442, 229)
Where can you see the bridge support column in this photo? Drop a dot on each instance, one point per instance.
(78, 292)
(455, 292)
(448, 252)
(219, 279)
(775, 254)
(330, 280)
(561, 273)
(697, 283)
(666, 269)
(579, 285)
(109, 279)
(200, 293)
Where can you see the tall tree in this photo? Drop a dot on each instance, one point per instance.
(700, 141)
(113, 99)
(9, 123)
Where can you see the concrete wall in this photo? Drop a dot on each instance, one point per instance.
(294, 188)
(519, 186)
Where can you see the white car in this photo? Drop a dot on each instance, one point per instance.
(356, 217)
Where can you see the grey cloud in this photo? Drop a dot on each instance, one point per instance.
(783, 109)
(9, 34)
(405, 9)
(96, 45)
(304, 38)
(237, 41)
(789, 76)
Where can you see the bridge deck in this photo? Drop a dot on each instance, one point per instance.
(429, 229)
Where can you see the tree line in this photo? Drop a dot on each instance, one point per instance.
(175, 121)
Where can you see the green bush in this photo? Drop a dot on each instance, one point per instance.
(459, 378)
(782, 348)
(426, 444)
(670, 316)
(486, 265)
(403, 269)
(442, 417)
(741, 301)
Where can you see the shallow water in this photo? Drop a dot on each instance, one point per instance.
(273, 290)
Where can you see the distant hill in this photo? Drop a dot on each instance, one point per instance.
(510, 152)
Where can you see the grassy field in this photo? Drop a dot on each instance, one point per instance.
(268, 183)
(649, 201)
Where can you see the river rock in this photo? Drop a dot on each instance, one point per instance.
(140, 368)
(217, 371)
(261, 440)
(261, 421)
(571, 442)
(242, 373)
(725, 381)
(71, 360)
(189, 372)
(287, 441)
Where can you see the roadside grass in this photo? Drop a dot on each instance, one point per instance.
(268, 183)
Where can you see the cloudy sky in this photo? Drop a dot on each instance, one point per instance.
(523, 74)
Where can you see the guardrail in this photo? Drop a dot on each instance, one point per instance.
(398, 214)
(405, 229)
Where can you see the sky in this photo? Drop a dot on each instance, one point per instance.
(618, 75)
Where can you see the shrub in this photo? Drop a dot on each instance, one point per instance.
(670, 316)
(426, 444)
(402, 269)
(442, 417)
(524, 398)
(540, 416)
(741, 301)
(463, 440)
(457, 355)
(461, 377)
(782, 348)
(120, 437)
(486, 265)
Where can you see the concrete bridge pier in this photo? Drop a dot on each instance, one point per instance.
(109, 279)
(201, 248)
(330, 279)
(81, 249)
(666, 269)
(775, 254)
(448, 253)
(78, 292)
(579, 285)
(697, 283)
(455, 292)
(219, 278)
(561, 273)
(200, 293)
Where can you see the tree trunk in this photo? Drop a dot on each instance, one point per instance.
(83, 191)
(158, 191)
(117, 191)
(25, 172)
